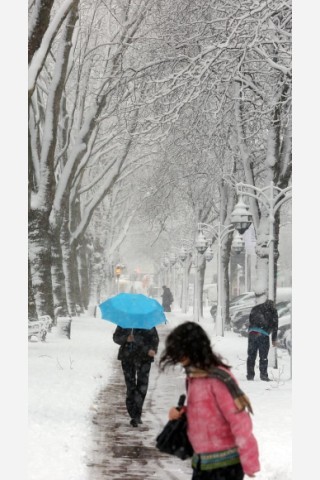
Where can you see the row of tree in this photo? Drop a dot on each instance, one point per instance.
(148, 107)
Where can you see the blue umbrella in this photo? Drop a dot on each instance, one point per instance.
(132, 310)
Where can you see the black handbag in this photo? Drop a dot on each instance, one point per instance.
(173, 439)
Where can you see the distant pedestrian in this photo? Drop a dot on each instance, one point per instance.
(138, 348)
(263, 321)
(219, 427)
(167, 299)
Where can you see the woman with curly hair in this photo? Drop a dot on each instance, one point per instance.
(219, 427)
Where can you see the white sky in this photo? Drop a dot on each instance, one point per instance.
(65, 377)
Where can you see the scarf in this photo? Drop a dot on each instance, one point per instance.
(241, 400)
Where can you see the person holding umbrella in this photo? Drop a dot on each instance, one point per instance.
(136, 317)
(138, 348)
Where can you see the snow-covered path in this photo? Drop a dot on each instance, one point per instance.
(122, 452)
(78, 426)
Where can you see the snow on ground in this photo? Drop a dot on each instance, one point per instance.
(65, 377)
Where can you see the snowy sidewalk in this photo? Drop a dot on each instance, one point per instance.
(78, 425)
(122, 452)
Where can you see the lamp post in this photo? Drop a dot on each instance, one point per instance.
(272, 197)
(219, 232)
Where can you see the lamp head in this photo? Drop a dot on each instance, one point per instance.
(241, 217)
(201, 243)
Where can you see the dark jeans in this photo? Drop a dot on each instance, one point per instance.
(258, 343)
(136, 375)
(234, 472)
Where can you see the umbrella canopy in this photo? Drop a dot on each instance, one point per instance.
(133, 310)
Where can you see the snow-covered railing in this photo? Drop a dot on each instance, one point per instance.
(40, 327)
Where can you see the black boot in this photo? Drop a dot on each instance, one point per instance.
(134, 422)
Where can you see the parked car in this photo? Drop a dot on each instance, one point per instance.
(287, 340)
(247, 301)
(284, 327)
(238, 301)
(241, 320)
(242, 304)
(282, 308)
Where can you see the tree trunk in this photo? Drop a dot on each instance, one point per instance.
(94, 288)
(276, 250)
(83, 274)
(225, 260)
(58, 280)
(40, 261)
(262, 260)
(32, 311)
(202, 270)
(227, 202)
(39, 27)
(67, 267)
(75, 279)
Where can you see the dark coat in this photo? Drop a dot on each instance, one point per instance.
(265, 317)
(144, 340)
(167, 297)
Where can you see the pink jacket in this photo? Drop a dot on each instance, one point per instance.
(215, 424)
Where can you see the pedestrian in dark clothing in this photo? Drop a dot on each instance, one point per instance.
(137, 350)
(167, 299)
(263, 321)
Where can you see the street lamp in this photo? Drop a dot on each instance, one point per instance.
(237, 242)
(241, 218)
(208, 254)
(272, 197)
(201, 242)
